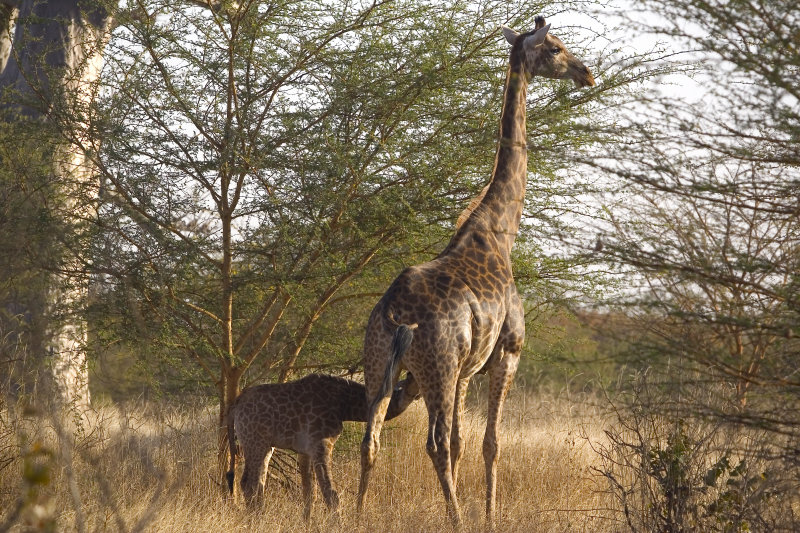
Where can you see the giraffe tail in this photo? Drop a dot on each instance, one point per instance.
(401, 341)
(230, 475)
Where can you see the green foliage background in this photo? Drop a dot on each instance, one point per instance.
(338, 151)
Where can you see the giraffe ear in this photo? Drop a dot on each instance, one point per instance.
(511, 35)
(538, 37)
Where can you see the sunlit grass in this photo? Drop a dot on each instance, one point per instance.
(156, 470)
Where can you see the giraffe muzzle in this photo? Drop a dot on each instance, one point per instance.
(583, 77)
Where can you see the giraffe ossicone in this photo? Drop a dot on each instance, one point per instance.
(464, 303)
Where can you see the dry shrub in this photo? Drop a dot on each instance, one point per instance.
(671, 469)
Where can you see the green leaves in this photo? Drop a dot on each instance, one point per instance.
(270, 150)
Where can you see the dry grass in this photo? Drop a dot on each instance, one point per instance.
(153, 472)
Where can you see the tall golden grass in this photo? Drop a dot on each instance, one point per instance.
(154, 468)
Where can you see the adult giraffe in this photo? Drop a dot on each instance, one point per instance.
(449, 318)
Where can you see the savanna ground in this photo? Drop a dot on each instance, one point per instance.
(151, 468)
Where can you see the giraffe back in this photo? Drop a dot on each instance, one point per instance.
(298, 414)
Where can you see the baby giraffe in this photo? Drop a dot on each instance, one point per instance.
(305, 416)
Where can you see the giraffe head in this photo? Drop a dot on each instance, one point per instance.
(543, 54)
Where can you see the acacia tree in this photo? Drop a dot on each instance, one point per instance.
(702, 230)
(252, 167)
(705, 223)
(713, 274)
(244, 155)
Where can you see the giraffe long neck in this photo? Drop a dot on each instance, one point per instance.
(498, 208)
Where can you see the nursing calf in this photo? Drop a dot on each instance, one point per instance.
(305, 416)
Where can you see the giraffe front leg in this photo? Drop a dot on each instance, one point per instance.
(501, 374)
(307, 483)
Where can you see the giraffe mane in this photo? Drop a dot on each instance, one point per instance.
(473, 204)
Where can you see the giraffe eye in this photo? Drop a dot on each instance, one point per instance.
(555, 51)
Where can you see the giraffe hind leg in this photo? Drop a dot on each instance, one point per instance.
(307, 482)
(440, 416)
(370, 446)
(456, 436)
(379, 390)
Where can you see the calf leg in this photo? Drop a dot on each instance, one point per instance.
(322, 468)
(307, 480)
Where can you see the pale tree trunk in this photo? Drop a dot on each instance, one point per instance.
(8, 14)
(50, 59)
